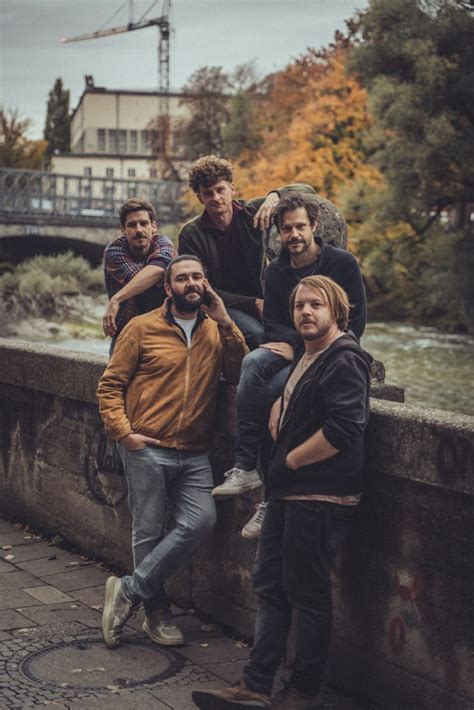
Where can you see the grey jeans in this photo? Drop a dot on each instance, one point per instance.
(156, 476)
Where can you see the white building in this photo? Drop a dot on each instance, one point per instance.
(111, 135)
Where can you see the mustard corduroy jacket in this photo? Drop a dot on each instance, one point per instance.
(156, 385)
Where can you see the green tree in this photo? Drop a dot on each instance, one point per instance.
(16, 150)
(416, 59)
(57, 123)
(206, 97)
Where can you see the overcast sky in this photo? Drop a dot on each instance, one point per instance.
(206, 32)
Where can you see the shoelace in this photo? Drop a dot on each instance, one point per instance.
(261, 508)
(233, 474)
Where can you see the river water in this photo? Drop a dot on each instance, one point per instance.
(435, 368)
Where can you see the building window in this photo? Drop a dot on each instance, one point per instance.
(131, 172)
(112, 141)
(153, 173)
(133, 141)
(122, 141)
(132, 192)
(87, 172)
(101, 140)
(144, 141)
(109, 172)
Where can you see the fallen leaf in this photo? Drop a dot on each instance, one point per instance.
(204, 645)
(9, 557)
(98, 607)
(73, 606)
(76, 670)
(53, 557)
(99, 668)
(7, 547)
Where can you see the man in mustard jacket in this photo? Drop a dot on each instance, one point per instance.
(157, 398)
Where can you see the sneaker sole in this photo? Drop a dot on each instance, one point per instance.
(237, 492)
(109, 595)
(158, 639)
(250, 536)
(204, 701)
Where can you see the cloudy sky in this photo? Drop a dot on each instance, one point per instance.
(206, 32)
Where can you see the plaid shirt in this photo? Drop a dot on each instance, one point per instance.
(120, 266)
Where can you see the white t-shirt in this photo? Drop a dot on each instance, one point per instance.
(187, 325)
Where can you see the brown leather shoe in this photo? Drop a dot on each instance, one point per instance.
(238, 696)
(292, 699)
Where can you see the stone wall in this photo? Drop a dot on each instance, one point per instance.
(403, 586)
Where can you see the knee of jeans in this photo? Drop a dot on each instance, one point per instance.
(302, 595)
(203, 525)
(256, 363)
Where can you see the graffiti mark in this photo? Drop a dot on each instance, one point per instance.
(397, 635)
(104, 472)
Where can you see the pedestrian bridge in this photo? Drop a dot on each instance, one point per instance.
(41, 212)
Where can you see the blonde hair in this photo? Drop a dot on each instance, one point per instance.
(336, 296)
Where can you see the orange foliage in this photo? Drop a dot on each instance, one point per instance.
(312, 120)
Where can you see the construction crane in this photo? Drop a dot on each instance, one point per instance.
(164, 27)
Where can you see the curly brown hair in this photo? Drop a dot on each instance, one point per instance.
(208, 170)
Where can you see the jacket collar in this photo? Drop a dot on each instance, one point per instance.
(168, 316)
(206, 222)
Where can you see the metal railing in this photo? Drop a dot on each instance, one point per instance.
(49, 196)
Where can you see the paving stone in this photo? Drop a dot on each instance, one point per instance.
(59, 613)
(44, 566)
(16, 537)
(216, 650)
(10, 619)
(124, 700)
(92, 596)
(6, 526)
(4, 636)
(78, 579)
(230, 671)
(179, 697)
(13, 598)
(6, 566)
(32, 551)
(48, 595)
(17, 580)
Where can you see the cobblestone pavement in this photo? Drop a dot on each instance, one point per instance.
(51, 650)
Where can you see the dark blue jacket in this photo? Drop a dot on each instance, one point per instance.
(280, 280)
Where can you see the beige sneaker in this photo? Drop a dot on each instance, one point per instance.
(253, 528)
(160, 627)
(238, 481)
(117, 610)
(238, 696)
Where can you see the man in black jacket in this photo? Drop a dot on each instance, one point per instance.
(265, 370)
(314, 483)
(227, 237)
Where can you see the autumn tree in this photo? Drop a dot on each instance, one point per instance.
(58, 121)
(16, 150)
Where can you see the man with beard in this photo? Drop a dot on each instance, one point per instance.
(134, 267)
(314, 484)
(157, 398)
(265, 370)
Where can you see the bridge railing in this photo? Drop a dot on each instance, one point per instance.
(35, 193)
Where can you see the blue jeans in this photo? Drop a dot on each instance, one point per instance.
(262, 379)
(250, 327)
(155, 475)
(296, 549)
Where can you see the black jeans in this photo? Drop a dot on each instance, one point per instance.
(297, 547)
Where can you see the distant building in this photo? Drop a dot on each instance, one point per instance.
(112, 135)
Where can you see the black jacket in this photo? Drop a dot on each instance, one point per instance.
(199, 238)
(280, 280)
(332, 395)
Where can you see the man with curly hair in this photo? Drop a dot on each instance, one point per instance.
(227, 237)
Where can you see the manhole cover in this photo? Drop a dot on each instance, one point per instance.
(90, 665)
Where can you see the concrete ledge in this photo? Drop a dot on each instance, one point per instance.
(402, 588)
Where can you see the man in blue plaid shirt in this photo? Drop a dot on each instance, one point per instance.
(134, 267)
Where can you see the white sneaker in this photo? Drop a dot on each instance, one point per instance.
(253, 528)
(160, 627)
(238, 481)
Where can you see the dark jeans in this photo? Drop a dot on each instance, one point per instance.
(297, 547)
(250, 327)
(262, 379)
